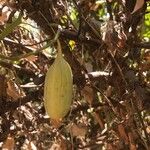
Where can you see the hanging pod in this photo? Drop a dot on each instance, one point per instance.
(58, 87)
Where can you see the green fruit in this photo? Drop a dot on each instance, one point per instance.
(58, 88)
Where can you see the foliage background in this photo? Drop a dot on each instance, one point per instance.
(106, 43)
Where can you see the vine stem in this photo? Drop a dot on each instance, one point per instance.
(59, 53)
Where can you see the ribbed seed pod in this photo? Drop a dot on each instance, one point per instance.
(58, 88)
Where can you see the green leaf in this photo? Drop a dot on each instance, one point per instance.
(10, 27)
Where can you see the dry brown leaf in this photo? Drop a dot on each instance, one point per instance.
(9, 143)
(76, 130)
(122, 133)
(4, 17)
(13, 90)
(138, 5)
(132, 143)
(99, 120)
(88, 94)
